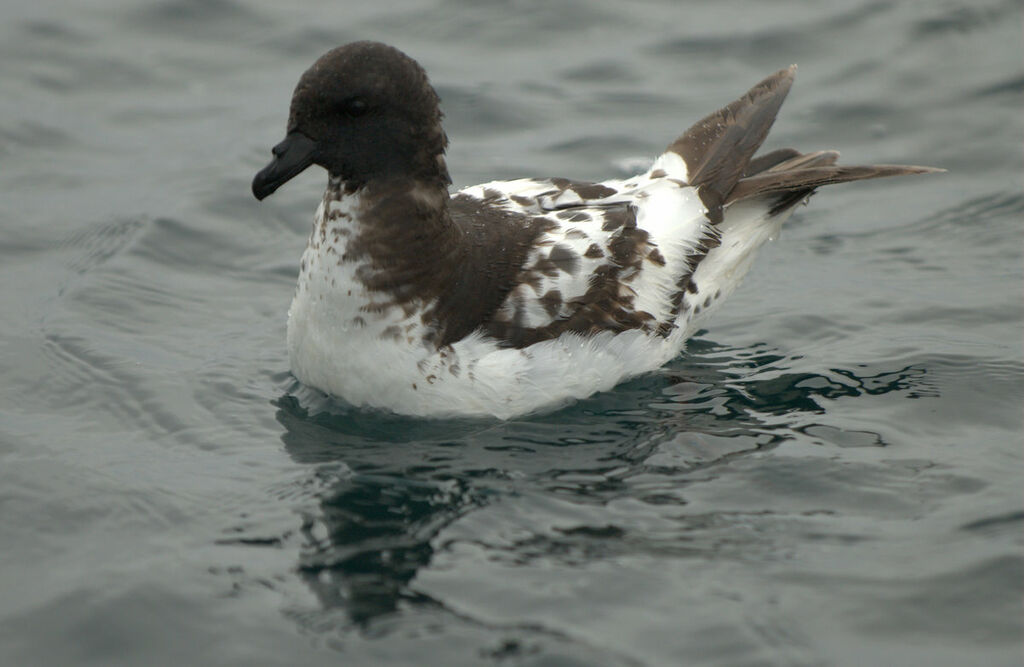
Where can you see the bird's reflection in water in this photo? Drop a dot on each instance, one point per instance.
(389, 486)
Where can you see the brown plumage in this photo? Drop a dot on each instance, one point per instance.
(719, 154)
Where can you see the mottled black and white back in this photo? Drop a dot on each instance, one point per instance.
(516, 296)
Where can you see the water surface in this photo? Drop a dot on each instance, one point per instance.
(830, 475)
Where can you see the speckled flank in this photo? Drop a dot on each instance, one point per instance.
(599, 300)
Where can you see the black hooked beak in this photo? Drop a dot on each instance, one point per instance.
(291, 156)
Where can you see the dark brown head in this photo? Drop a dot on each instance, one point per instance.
(363, 111)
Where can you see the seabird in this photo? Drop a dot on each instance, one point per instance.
(513, 296)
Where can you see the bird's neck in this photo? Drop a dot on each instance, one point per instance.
(412, 247)
(401, 235)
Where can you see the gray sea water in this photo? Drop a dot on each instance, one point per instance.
(830, 475)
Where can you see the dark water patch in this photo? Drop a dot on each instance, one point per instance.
(477, 449)
(574, 546)
(601, 72)
(123, 298)
(856, 70)
(451, 636)
(993, 388)
(838, 112)
(976, 225)
(633, 103)
(192, 18)
(820, 328)
(787, 484)
(235, 205)
(179, 244)
(1008, 523)
(1011, 88)
(146, 114)
(961, 315)
(548, 431)
(368, 535)
(490, 23)
(272, 541)
(55, 30)
(73, 67)
(973, 603)
(770, 391)
(307, 42)
(316, 425)
(791, 40)
(19, 245)
(133, 632)
(806, 392)
(978, 211)
(962, 20)
(34, 136)
(477, 112)
(669, 531)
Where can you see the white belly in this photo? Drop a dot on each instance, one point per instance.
(473, 377)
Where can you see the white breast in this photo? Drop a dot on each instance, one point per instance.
(339, 339)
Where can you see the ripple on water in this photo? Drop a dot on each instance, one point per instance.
(960, 20)
(848, 488)
(95, 245)
(196, 17)
(783, 41)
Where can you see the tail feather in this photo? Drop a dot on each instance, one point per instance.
(783, 180)
(769, 160)
(718, 152)
(718, 149)
(807, 160)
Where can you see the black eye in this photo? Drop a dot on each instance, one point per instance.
(354, 107)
